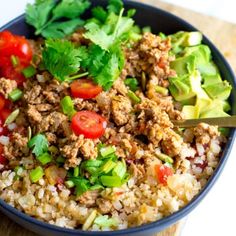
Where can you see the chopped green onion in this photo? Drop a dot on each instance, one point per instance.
(119, 170)
(81, 187)
(69, 184)
(132, 83)
(107, 167)
(165, 158)
(29, 72)
(162, 35)
(14, 60)
(110, 181)
(36, 174)
(161, 90)
(134, 97)
(45, 158)
(67, 106)
(89, 220)
(106, 151)
(60, 160)
(96, 187)
(105, 221)
(15, 95)
(76, 171)
(147, 29)
(12, 117)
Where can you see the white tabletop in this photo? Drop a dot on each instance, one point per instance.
(215, 215)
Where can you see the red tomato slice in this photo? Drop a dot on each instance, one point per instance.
(88, 123)
(2, 102)
(15, 45)
(162, 173)
(85, 88)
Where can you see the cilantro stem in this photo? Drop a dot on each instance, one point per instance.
(118, 22)
(76, 76)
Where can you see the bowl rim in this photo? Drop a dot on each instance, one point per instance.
(168, 220)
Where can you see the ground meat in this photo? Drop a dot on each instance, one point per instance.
(120, 87)
(71, 151)
(52, 122)
(33, 114)
(172, 143)
(88, 199)
(33, 95)
(51, 137)
(150, 111)
(121, 107)
(104, 205)
(44, 107)
(17, 147)
(7, 86)
(89, 149)
(204, 133)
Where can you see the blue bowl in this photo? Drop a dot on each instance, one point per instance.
(160, 21)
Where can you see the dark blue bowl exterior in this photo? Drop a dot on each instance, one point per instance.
(160, 21)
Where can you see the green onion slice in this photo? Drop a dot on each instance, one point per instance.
(45, 158)
(15, 95)
(36, 174)
(29, 72)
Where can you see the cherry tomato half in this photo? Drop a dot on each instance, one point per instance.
(85, 88)
(15, 45)
(88, 123)
(2, 102)
(162, 173)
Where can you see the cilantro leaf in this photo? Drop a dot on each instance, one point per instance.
(61, 58)
(112, 31)
(104, 66)
(59, 30)
(70, 8)
(38, 14)
(115, 6)
(99, 13)
(39, 143)
(48, 16)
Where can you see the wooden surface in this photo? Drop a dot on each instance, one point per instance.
(223, 34)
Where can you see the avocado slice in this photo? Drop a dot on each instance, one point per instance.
(220, 90)
(211, 79)
(183, 65)
(216, 109)
(201, 52)
(191, 112)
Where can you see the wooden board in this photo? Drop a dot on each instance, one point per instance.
(223, 34)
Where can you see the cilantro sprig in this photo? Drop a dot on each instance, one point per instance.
(45, 16)
(39, 144)
(62, 59)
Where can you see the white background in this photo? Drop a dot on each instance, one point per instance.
(215, 216)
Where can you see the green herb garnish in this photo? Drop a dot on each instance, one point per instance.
(56, 20)
(39, 144)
